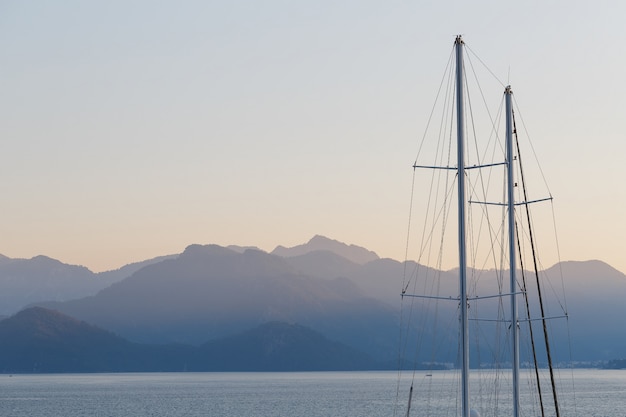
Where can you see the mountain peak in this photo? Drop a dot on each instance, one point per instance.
(353, 253)
(203, 250)
(45, 324)
(280, 346)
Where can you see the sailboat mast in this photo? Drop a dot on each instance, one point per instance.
(512, 252)
(460, 126)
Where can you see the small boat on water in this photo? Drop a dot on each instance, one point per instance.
(497, 263)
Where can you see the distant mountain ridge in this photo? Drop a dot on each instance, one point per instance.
(25, 281)
(356, 254)
(209, 292)
(28, 281)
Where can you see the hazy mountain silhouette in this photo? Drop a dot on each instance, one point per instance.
(593, 292)
(380, 278)
(107, 278)
(42, 340)
(28, 281)
(242, 249)
(595, 304)
(209, 292)
(278, 346)
(353, 253)
(323, 264)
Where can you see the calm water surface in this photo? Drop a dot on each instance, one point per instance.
(328, 394)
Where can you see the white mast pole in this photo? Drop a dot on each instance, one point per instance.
(460, 125)
(512, 251)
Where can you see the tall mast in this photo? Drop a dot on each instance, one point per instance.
(512, 252)
(460, 126)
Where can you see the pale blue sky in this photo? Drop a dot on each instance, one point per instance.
(131, 129)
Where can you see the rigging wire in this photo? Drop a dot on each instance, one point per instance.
(438, 212)
(532, 147)
(485, 185)
(536, 271)
(426, 237)
(530, 325)
(569, 335)
(486, 67)
(447, 70)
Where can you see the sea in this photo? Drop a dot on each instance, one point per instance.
(298, 394)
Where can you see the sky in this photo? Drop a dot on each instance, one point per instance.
(131, 129)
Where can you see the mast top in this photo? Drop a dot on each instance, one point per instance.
(459, 40)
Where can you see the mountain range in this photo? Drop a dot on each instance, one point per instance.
(41, 340)
(27, 281)
(215, 296)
